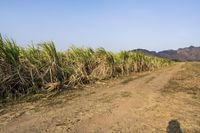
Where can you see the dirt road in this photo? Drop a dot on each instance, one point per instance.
(133, 104)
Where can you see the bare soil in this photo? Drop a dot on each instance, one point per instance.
(140, 103)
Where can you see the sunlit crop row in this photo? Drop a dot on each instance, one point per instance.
(42, 67)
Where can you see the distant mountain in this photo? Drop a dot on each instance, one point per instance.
(182, 54)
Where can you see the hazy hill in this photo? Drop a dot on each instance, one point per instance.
(183, 54)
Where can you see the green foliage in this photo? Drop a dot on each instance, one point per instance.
(31, 70)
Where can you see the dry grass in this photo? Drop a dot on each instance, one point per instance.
(187, 80)
(183, 93)
(43, 69)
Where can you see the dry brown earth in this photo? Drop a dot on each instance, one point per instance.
(141, 103)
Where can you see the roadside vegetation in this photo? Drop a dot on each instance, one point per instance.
(41, 68)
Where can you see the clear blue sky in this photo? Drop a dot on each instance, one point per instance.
(112, 24)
